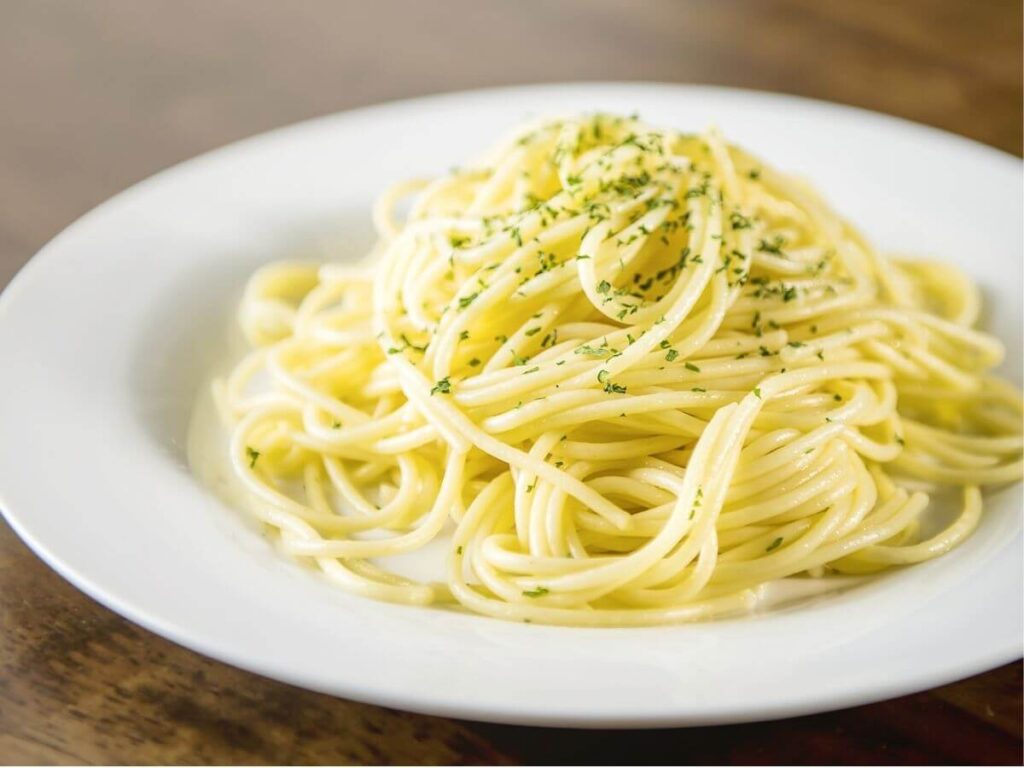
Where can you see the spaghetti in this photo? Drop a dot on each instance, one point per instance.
(640, 374)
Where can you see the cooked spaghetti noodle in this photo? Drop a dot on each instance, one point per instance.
(638, 372)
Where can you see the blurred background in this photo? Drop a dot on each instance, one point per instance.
(99, 94)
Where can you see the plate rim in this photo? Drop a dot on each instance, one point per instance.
(42, 254)
(141, 616)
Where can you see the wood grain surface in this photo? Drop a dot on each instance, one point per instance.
(97, 95)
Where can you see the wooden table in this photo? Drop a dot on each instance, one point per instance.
(97, 95)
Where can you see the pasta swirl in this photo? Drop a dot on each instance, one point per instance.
(637, 373)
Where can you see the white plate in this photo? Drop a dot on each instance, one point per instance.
(107, 334)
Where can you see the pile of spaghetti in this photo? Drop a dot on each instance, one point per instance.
(635, 374)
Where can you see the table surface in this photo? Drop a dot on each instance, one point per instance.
(98, 95)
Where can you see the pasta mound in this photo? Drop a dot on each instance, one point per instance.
(638, 372)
